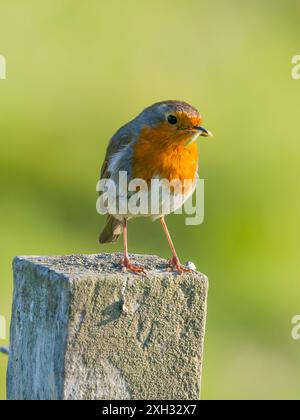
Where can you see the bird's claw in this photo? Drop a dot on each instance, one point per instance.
(127, 266)
(174, 265)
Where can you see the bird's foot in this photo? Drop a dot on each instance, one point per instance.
(127, 266)
(174, 265)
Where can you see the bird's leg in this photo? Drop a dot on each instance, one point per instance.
(125, 262)
(174, 263)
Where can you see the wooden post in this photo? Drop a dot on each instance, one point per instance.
(83, 329)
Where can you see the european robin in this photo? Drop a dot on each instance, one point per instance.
(158, 144)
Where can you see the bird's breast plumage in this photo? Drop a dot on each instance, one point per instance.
(157, 154)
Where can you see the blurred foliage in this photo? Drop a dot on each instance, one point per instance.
(78, 70)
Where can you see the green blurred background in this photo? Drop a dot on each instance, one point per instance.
(78, 70)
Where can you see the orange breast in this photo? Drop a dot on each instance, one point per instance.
(161, 152)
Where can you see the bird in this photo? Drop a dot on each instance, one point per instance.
(159, 144)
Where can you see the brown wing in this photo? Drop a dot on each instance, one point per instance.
(122, 137)
(113, 228)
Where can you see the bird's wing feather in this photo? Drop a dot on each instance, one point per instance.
(119, 143)
(117, 158)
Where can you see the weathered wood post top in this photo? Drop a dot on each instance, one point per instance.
(83, 329)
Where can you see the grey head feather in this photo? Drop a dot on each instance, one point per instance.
(158, 112)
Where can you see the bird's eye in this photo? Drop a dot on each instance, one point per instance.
(172, 119)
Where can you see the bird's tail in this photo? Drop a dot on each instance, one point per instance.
(4, 350)
(112, 230)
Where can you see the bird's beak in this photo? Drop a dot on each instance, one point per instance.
(203, 132)
(199, 132)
